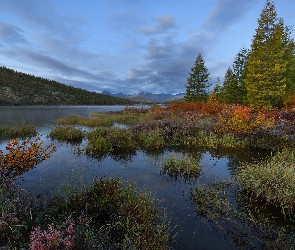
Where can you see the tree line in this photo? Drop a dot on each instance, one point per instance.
(261, 77)
(18, 88)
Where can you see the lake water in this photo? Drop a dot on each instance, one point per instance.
(69, 165)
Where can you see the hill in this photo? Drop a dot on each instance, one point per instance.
(18, 88)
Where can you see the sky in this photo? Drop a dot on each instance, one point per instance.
(128, 46)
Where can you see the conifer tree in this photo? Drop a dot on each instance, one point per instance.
(217, 94)
(198, 82)
(239, 70)
(230, 87)
(265, 79)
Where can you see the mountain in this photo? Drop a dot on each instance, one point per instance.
(18, 88)
(147, 97)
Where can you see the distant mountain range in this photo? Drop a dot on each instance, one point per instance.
(147, 97)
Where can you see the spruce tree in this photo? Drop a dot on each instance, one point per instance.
(217, 94)
(239, 71)
(265, 79)
(198, 82)
(230, 87)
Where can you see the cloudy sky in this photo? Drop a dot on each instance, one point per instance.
(127, 46)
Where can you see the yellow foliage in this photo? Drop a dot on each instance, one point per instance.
(22, 157)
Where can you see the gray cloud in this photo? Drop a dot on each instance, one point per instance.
(11, 34)
(163, 23)
(226, 13)
(166, 21)
(157, 64)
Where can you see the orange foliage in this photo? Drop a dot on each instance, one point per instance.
(240, 119)
(157, 112)
(208, 108)
(22, 157)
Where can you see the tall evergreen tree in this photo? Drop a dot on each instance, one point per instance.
(198, 82)
(230, 87)
(239, 70)
(265, 79)
(217, 91)
(289, 57)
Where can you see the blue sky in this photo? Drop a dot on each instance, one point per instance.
(127, 46)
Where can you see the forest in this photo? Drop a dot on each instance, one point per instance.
(18, 88)
(261, 77)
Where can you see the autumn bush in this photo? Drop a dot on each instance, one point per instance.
(240, 120)
(208, 108)
(22, 156)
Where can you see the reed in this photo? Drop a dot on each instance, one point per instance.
(67, 133)
(22, 130)
(184, 167)
(271, 181)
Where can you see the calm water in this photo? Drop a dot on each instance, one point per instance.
(69, 165)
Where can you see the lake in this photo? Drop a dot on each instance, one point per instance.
(69, 165)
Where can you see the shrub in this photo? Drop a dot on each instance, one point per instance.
(116, 215)
(181, 167)
(22, 130)
(150, 139)
(70, 120)
(22, 157)
(239, 120)
(272, 181)
(68, 133)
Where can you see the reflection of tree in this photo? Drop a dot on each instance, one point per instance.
(123, 156)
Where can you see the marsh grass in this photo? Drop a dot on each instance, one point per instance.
(21, 130)
(67, 133)
(212, 140)
(102, 141)
(110, 214)
(150, 139)
(271, 181)
(93, 121)
(184, 167)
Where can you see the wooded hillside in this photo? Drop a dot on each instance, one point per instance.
(18, 88)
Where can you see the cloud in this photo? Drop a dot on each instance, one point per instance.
(166, 21)
(226, 13)
(10, 33)
(163, 23)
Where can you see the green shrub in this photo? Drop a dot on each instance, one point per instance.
(150, 139)
(72, 119)
(181, 167)
(272, 181)
(21, 130)
(68, 133)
